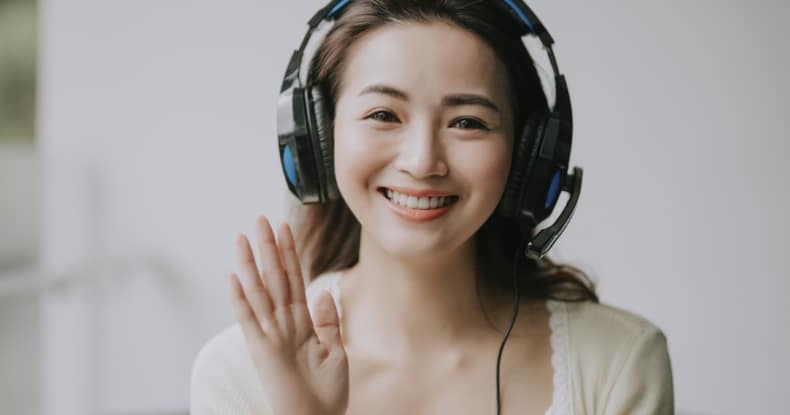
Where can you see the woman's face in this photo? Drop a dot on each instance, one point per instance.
(422, 109)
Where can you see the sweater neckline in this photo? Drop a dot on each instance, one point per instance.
(558, 322)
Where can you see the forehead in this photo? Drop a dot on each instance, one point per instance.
(425, 58)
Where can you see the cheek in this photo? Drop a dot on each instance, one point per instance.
(354, 159)
(488, 167)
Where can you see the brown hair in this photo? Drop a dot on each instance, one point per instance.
(328, 235)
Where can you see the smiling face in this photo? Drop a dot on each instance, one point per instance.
(423, 109)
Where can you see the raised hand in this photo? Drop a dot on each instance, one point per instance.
(300, 360)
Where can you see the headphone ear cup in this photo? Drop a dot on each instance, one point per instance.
(322, 139)
(524, 155)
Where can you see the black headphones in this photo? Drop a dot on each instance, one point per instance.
(539, 169)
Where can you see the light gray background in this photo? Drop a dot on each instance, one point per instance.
(157, 137)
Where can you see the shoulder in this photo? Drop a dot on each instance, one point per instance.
(326, 281)
(619, 359)
(609, 334)
(223, 378)
(591, 322)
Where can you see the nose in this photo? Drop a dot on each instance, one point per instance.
(422, 153)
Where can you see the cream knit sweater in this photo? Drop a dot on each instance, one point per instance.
(606, 361)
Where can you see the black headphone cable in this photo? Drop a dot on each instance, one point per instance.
(512, 320)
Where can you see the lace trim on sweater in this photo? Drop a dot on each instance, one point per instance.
(561, 403)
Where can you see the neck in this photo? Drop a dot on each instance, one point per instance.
(408, 306)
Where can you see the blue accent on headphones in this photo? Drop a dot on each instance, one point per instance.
(521, 15)
(337, 8)
(288, 162)
(554, 190)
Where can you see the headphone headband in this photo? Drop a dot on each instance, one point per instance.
(516, 8)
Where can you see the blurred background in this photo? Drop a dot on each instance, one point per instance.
(137, 138)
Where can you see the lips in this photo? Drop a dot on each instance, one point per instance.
(411, 207)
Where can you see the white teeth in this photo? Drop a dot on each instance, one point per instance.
(414, 202)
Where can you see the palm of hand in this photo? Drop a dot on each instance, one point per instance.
(299, 359)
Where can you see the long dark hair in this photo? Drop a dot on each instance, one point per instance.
(328, 235)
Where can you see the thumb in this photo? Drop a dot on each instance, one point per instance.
(326, 321)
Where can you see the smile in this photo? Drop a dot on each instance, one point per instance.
(416, 208)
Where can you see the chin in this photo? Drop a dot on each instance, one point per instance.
(405, 243)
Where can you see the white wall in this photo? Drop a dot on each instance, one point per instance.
(157, 136)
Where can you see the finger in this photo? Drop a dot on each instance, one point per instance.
(244, 313)
(275, 277)
(256, 294)
(272, 270)
(327, 321)
(287, 249)
(291, 261)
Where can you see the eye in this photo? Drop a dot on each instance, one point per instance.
(384, 116)
(470, 124)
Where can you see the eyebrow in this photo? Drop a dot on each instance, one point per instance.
(452, 100)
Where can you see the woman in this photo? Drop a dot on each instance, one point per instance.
(410, 265)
